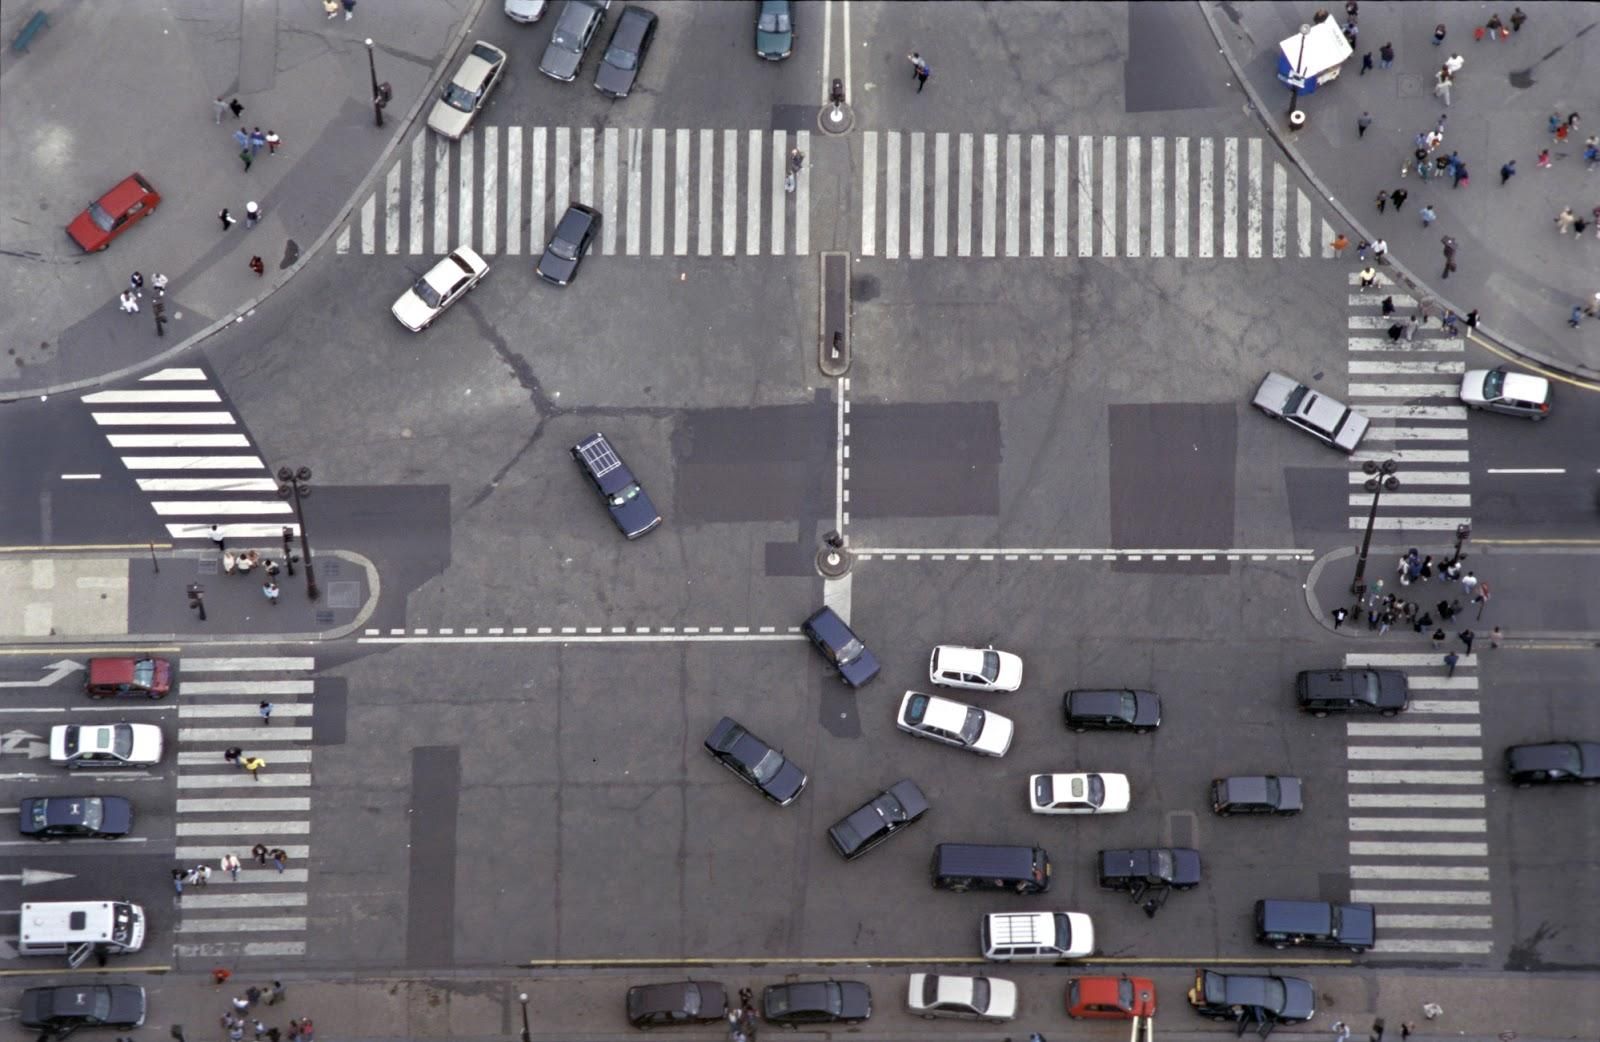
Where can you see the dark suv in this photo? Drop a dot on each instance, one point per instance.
(1316, 924)
(1324, 691)
(1121, 710)
(630, 508)
(1256, 794)
(839, 645)
(624, 55)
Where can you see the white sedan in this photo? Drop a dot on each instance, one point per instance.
(978, 669)
(105, 745)
(1078, 793)
(954, 723)
(442, 285)
(969, 998)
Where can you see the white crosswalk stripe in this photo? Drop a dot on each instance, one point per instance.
(223, 810)
(191, 492)
(501, 190)
(1420, 832)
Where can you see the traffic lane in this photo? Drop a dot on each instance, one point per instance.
(1538, 478)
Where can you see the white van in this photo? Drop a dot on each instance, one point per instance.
(80, 929)
(1037, 936)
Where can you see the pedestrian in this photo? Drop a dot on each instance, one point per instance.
(1544, 159)
(1432, 1010)
(252, 994)
(1453, 64)
(279, 859)
(1438, 34)
(1441, 87)
(1383, 199)
(1450, 660)
(1577, 316)
(1380, 249)
(228, 221)
(252, 214)
(136, 283)
(1404, 571)
(349, 9)
(1366, 63)
(919, 70)
(1508, 171)
(1411, 334)
(1396, 330)
(1339, 245)
(1460, 176)
(260, 1030)
(269, 590)
(254, 765)
(275, 996)
(246, 159)
(1339, 615)
(1407, 1028)
(259, 852)
(265, 710)
(1445, 610)
(1467, 637)
(1423, 622)
(1495, 27)
(1427, 215)
(220, 106)
(271, 568)
(204, 874)
(229, 1020)
(1369, 276)
(1591, 154)
(1388, 306)
(177, 882)
(1578, 227)
(241, 137)
(220, 975)
(1351, 31)
(1426, 570)
(240, 1004)
(159, 283)
(258, 140)
(1449, 266)
(230, 865)
(1361, 249)
(273, 141)
(1469, 584)
(273, 1035)
(1472, 323)
(258, 266)
(1377, 1030)
(1341, 1031)
(332, 7)
(232, 755)
(1494, 637)
(1386, 55)
(130, 303)
(1362, 124)
(1398, 198)
(236, 1032)
(235, 108)
(1517, 18)
(1561, 132)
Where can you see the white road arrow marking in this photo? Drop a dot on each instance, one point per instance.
(64, 668)
(19, 742)
(31, 876)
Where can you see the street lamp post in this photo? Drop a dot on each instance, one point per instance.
(294, 484)
(377, 95)
(197, 599)
(1463, 533)
(1298, 72)
(1380, 479)
(288, 549)
(527, 1036)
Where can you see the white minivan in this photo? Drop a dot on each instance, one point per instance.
(80, 929)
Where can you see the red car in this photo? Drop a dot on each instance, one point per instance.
(130, 201)
(1111, 998)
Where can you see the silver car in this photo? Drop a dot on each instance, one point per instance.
(442, 285)
(468, 91)
(1515, 394)
(576, 26)
(1327, 419)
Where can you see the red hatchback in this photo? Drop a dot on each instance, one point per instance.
(1111, 998)
(130, 201)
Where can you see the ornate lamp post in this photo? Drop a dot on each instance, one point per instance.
(1380, 479)
(293, 483)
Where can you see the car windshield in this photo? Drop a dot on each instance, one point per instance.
(1125, 993)
(980, 993)
(426, 292)
(767, 767)
(144, 672)
(38, 814)
(972, 727)
(566, 41)
(773, 22)
(851, 651)
(917, 709)
(1161, 864)
(74, 739)
(631, 492)
(1129, 706)
(98, 215)
(1097, 790)
(1493, 383)
(1272, 790)
(1274, 992)
(991, 666)
(122, 740)
(622, 59)
(564, 249)
(459, 97)
(1296, 396)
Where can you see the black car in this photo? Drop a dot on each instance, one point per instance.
(1553, 762)
(624, 55)
(1324, 691)
(679, 1002)
(71, 817)
(1150, 868)
(817, 1002)
(624, 497)
(575, 28)
(1121, 710)
(60, 1011)
(840, 646)
(1259, 1000)
(568, 243)
(879, 818)
(753, 760)
(1256, 794)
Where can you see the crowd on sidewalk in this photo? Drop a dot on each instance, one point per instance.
(239, 1015)
(1384, 612)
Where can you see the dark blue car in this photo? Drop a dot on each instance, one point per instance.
(630, 508)
(840, 646)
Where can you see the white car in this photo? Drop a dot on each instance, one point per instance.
(933, 995)
(525, 11)
(954, 723)
(105, 745)
(1515, 394)
(978, 669)
(442, 285)
(467, 93)
(1078, 793)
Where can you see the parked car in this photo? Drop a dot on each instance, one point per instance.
(1119, 710)
(441, 286)
(817, 1002)
(62, 1010)
(977, 669)
(1078, 793)
(1515, 394)
(1327, 419)
(894, 808)
(1256, 794)
(75, 817)
(758, 764)
(575, 29)
(1036, 936)
(525, 11)
(105, 745)
(677, 1002)
(568, 244)
(631, 510)
(130, 201)
(1143, 869)
(954, 723)
(839, 644)
(774, 29)
(466, 93)
(1316, 924)
(1260, 1000)
(1110, 998)
(1324, 691)
(128, 677)
(931, 995)
(1551, 763)
(624, 56)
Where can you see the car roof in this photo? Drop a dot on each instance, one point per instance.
(631, 27)
(576, 218)
(945, 714)
(1526, 387)
(124, 194)
(956, 659)
(1275, 390)
(478, 65)
(830, 628)
(1097, 701)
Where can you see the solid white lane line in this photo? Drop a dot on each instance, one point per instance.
(1421, 897)
(1424, 477)
(1416, 433)
(1374, 800)
(560, 175)
(941, 195)
(213, 758)
(1257, 201)
(221, 507)
(1304, 222)
(172, 396)
(1013, 200)
(869, 194)
(225, 710)
(254, 735)
(464, 192)
(231, 828)
(1432, 368)
(703, 231)
(1457, 413)
(182, 441)
(232, 664)
(245, 687)
(891, 195)
(391, 211)
(1132, 246)
(222, 484)
(1230, 197)
(416, 221)
(1414, 777)
(441, 196)
(802, 199)
(752, 245)
(1060, 198)
(586, 167)
(1418, 825)
(1459, 682)
(635, 229)
(263, 805)
(268, 780)
(200, 898)
(1459, 500)
(536, 193)
(1414, 752)
(1451, 873)
(1445, 391)
(1108, 196)
(163, 419)
(914, 161)
(1180, 197)
(991, 188)
(610, 190)
(1085, 196)
(1526, 470)
(1359, 848)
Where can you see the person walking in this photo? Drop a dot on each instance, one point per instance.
(1453, 64)
(1387, 307)
(1386, 55)
(1377, 1031)
(232, 755)
(1469, 583)
(332, 7)
(177, 883)
(1544, 159)
(1467, 637)
(1565, 220)
(1366, 63)
(266, 713)
(158, 282)
(1339, 245)
(269, 590)
(273, 141)
(1383, 199)
(1441, 87)
(241, 137)
(1494, 637)
(1398, 198)
(202, 875)
(258, 266)
(252, 214)
(1427, 215)
(230, 865)
(254, 765)
(1460, 175)
(1517, 18)
(1341, 1031)
(1339, 615)
(1450, 660)
(1494, 27)
(349, 9)
(1369, 276)
(259, 852)
(1411, 334)
(246, 158)
(920, 70)
(258, 140)
(277, 993)
(279, 859)
(228, 221)
(1508, 171)
(1380, 250)
(1449, 266)
(1576, 318)
(220, 107)
(235, 108)
(130, 303)
(1362, 124)
(216, 533)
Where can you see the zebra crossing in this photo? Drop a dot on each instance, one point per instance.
(185, 447)
(1177, 197)
(1409, 390)
(1418, 842)
(222, 810)
(727, 192)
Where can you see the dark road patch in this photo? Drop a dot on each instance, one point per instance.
(925, 460)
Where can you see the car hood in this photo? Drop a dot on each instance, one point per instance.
(1289, 794)
(85, 232)
(557, 269)
(1002, 998)
(559, 62)
(855, 1000)
(774, 45)
(1010, 677)
(526, 11)
(1147, 709)
(116, 814)
(787, 783)
(614, 81)
(1344, 425)
(1082, 928)
(1185, 866)
(860, 669)
(146, 743)
(1118, 793)
(995, 738)
(635, 516)
(448, 120)
(1299, 1000)
(411, 311)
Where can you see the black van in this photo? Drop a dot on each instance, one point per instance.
(1316, 924)
(990, 866)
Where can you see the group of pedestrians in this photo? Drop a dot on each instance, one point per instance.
(1385, 611)
(131, 296)
(244, 562)
(240, 1016)
(235, 755)
(250, 143)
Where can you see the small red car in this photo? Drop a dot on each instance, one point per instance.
(1111, 998)
(130, 201)
(129, 678)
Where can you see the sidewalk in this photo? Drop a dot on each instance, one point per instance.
(1513, 266)
(144, 598)
(67, 135)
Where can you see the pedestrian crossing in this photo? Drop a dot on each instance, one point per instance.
(222, 810)
(1409, 389)
(681, 192)
(1416, 795)
(193, 457)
